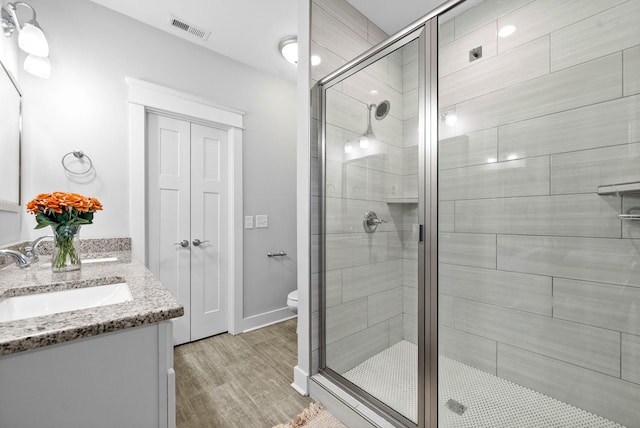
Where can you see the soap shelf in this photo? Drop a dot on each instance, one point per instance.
(629, 216)
(402, 200)
(619, 189)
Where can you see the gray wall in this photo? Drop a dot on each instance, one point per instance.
(539, 280)
(83, 105)
(339, 33)
(366, 289)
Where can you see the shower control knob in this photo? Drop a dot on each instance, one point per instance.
(184, 243)
(371, 222)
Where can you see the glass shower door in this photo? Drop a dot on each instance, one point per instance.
(369, 227)
(539, 154)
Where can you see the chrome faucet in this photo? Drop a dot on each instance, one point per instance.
(20, 259)
(30, 256)
(30, 251)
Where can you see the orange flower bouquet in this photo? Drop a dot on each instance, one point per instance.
(65, 213)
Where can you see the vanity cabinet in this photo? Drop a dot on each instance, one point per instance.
(119, 379)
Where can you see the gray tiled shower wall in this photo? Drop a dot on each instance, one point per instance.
(370, 277)
(539, 279)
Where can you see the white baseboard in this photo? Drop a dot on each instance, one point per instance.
(262, 320)
(300, 381)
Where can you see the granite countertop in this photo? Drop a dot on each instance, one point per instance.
(151, 301)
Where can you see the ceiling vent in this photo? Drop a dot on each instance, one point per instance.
(185, 26)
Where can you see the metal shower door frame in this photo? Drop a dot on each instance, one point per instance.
(319, 90)
(425, 30)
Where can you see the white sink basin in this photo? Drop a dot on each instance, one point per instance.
(35, 305)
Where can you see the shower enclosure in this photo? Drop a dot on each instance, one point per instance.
(476, 259)
(370, 234)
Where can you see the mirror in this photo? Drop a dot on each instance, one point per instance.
(10, 140)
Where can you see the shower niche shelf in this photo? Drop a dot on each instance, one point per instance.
(402, 200)
(619, 189)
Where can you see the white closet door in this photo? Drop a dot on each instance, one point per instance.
(209, 208)
(169, 158)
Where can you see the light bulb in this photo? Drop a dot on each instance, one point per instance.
(32, 40)
(289, 49)
(315, 60)
(364, 142)
(38, 66)
(348, 148)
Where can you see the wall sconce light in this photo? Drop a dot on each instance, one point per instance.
(31, 39)
(288, 47)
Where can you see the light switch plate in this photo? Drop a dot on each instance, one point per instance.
(262, 220)
(248, 222)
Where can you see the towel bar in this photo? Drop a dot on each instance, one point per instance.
(279, 254)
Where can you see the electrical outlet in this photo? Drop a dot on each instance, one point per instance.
(248, 222)
(262, 220)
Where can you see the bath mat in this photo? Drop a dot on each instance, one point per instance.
(314, 416)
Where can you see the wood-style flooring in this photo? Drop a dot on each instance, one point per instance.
(238, 381)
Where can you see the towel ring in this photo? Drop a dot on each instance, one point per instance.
(78, 154)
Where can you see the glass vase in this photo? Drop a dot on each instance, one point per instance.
(66, 254)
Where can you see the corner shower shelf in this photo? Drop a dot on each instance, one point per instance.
(402, 200)
(622, 189)
(619, 189)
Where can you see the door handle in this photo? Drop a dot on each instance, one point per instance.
(197, 242)
(184, 243)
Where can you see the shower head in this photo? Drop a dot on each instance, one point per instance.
(382, 109)
(367, 144)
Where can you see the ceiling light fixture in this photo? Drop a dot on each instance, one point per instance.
(31, 38)
(288, 47)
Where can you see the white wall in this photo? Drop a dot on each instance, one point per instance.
(9, 51)
(83, 106)
(9, 221)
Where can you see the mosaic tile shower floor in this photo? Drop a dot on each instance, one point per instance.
(490, 402)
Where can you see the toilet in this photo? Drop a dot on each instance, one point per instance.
(292, 301)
